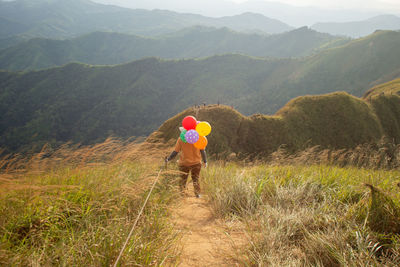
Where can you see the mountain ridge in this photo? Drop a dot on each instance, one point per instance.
(101, 48)
(64, 19)
(356, 29)
(291, 14)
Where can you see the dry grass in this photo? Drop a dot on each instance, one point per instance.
(383, 155)
(310, 216)
(75, 206)
(112, 151)
(392, 87)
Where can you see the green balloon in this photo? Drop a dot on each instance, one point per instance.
(183, 136)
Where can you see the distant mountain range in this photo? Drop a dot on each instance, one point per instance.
(58, 19)
(88, 103)
(103, 48)
(360, 28)
(291, 14)
(65, 19)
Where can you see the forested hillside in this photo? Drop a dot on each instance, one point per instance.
(88, 103)
(116, 48)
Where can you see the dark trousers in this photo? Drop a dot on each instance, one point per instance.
(195, 172)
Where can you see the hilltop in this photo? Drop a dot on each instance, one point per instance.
(337, 120)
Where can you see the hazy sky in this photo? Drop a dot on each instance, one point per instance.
(386, 5)
(383, 5)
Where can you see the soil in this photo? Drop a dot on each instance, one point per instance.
(206, 240)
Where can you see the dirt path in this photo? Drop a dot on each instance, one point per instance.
(206, 241)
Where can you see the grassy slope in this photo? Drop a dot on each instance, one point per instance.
(336, 120)
(63, 209)
(389, 88)
(384, 99)
(78, 206)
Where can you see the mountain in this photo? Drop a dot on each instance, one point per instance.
(12, 41)
(352, 68)
(360, 28)
(64, 19)
(9, 28)
(115, 48)
(335, 121)
(86, 103)
(291, 14)
(249, 21)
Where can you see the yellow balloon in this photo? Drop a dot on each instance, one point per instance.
(203, 128)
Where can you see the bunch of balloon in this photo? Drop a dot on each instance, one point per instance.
(195, 132)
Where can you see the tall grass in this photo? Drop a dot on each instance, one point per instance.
(383, 155)
(75, 207)
(310, 216)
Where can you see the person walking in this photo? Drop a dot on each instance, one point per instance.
(189, 162)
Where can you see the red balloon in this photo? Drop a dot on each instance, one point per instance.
(189, 123)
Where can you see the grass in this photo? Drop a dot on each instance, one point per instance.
(385, 154)
(336, 120)
(389, 88)
(310, 215)
(79, 210)
(76, 205)
(386, 107)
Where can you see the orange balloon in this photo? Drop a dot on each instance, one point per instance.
(201, 143)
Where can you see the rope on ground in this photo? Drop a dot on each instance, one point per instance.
(136, 221)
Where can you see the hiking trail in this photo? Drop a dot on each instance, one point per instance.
(206, 240)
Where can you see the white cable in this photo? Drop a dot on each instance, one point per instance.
(137, 219)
